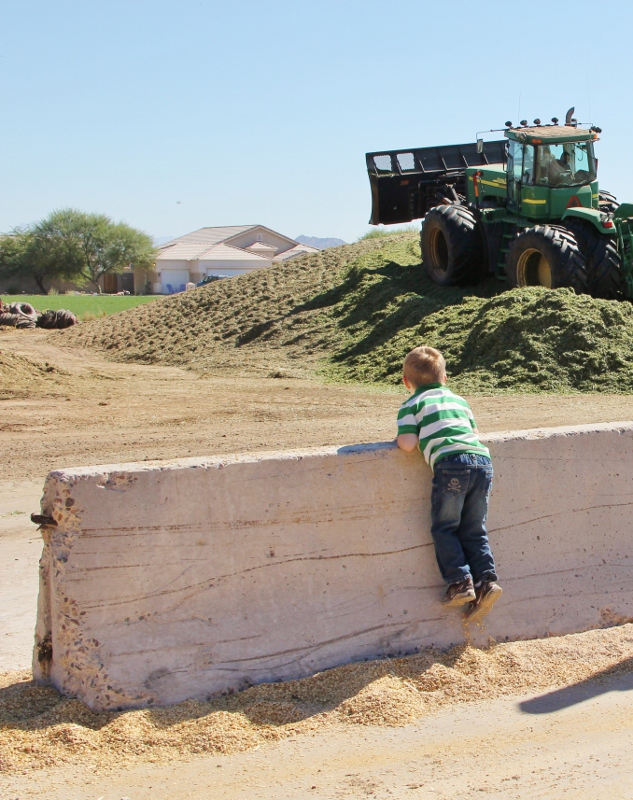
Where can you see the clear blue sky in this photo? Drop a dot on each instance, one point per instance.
(176, 115)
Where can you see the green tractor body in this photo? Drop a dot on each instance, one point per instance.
(527, 209)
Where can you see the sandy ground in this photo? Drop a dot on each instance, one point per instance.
(572, 743)
(575, 743)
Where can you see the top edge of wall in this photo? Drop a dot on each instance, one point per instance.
(220, 461)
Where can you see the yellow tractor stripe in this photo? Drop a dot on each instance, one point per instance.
(498, 183)
(534, 202)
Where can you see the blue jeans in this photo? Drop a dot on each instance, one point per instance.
(459, 505)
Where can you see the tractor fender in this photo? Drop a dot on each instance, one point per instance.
(592, 216)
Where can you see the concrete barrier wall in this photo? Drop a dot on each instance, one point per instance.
(172, 580)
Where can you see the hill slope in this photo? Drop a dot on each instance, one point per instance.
(352, 313)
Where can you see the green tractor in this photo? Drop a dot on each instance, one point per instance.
(526, 208)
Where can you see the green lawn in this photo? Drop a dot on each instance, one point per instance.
(81, 304)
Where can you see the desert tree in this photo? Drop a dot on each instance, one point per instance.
(101, 246)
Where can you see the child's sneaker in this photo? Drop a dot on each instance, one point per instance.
(459, 593)
(487, 594)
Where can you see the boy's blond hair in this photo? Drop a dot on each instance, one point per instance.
(424, 365)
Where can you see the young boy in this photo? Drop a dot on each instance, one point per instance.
(442, 425)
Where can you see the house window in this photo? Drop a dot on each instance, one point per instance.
(259, 237)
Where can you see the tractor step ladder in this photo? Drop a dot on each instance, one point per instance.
(508, 232)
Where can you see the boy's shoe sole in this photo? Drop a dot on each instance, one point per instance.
(483, 604)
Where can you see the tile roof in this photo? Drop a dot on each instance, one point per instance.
(299, 250)
(208, 244)
(192, 245)
(264, 246)
(226, 252)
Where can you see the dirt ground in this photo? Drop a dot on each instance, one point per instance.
(96, 412)
(104, 412)
(562, 745)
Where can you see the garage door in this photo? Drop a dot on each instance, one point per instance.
(176, 278)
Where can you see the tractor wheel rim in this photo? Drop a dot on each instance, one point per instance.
(533, 269)
(439, 250)
(544, 273)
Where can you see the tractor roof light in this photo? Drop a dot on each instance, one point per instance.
(524, 122)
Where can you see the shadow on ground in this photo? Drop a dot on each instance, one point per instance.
(601, 683)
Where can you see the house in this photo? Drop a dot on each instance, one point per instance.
(218, 252)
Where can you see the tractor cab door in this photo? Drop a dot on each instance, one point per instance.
(515, 173)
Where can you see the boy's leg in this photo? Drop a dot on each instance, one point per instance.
(472, 531)
(450, 486)
(474, 537)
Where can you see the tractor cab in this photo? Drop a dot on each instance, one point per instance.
(550, 169)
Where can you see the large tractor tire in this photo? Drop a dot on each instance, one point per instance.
(451, 245)
(604, 265)
(607, 202)
(546, 255)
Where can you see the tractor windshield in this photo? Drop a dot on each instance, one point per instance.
(569, 164)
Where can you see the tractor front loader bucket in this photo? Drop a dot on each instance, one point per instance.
(406, 183)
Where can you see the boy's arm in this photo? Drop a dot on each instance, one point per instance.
(407, 437)
(407, 441)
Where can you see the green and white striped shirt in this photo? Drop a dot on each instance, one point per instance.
(442, 421)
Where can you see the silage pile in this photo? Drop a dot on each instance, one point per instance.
(40, 728)
(353, 312)
(525, 340)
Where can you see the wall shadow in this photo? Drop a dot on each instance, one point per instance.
(609, 680)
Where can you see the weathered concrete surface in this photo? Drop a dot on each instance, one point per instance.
(165, 581)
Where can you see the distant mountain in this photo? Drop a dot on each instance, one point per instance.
(316, 241)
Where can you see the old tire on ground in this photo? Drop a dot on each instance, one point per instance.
(546, 255)
(607, 202)
(604, 265)
(451, 245)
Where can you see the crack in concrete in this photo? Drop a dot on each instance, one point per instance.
(213, 581)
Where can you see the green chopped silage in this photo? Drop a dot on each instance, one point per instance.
(524, 341)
